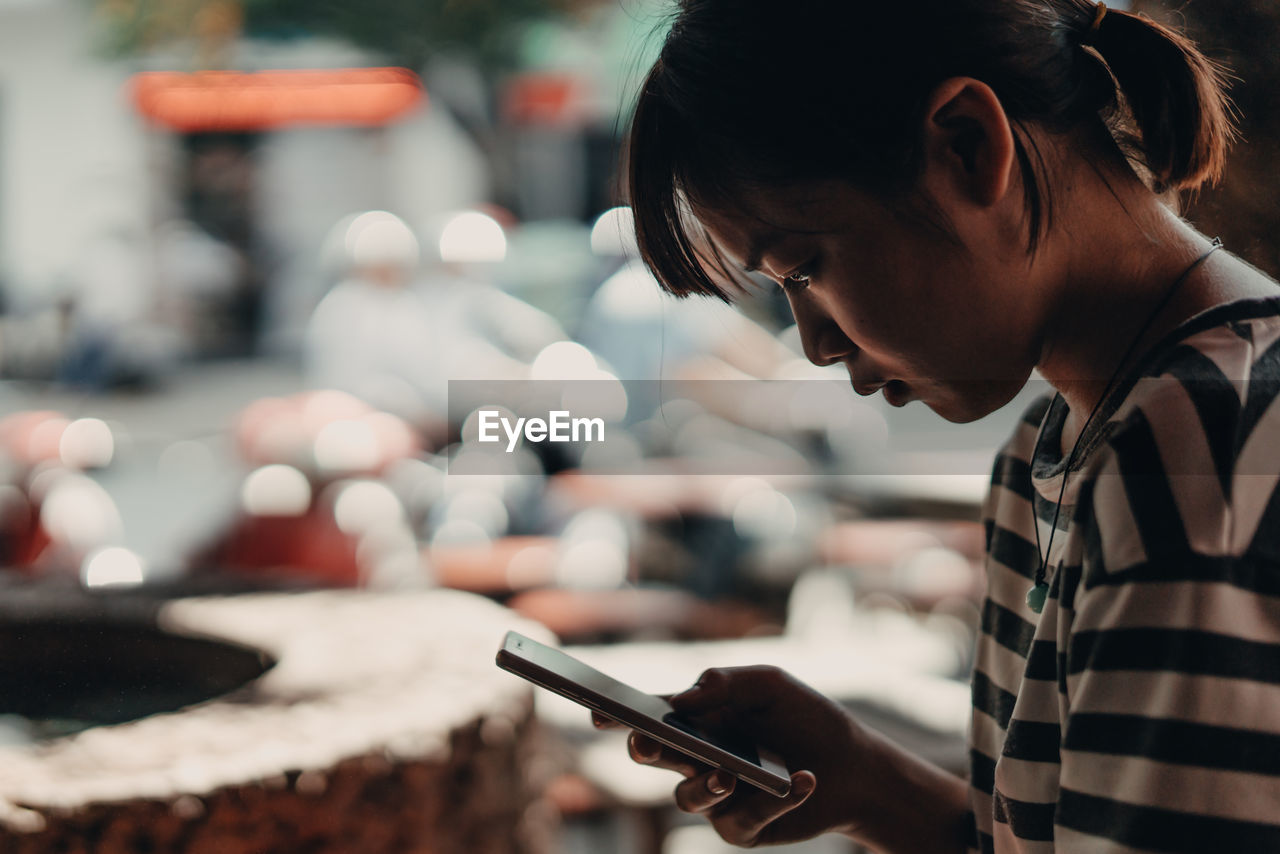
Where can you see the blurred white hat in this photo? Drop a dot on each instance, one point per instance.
(380, 239)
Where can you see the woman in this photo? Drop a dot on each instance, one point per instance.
(952, 193)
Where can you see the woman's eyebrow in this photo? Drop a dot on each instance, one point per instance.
(767, 240)
(757, 249)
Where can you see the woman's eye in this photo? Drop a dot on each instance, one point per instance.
(798, 279)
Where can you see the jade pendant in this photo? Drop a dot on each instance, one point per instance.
(1036, 596)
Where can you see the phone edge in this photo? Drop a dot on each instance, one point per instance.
(756, 775)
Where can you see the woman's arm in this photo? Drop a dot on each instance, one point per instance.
(918, 808)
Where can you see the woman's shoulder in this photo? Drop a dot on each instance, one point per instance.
(1217, 374)
(1231, 338)
(1193, 452)
(1200, 404)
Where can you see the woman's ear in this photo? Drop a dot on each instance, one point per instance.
(968, 143)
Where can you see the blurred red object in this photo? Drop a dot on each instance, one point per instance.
(310, 546)
(547, 98)
(22, 538)
(313, 507)
(46, 453)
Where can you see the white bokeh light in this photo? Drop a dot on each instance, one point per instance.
(112, 567)
(614, 233)
(363, 505)
(276, 490)
(79, 512)
(87, 443)
(472, 237)
(564, 360)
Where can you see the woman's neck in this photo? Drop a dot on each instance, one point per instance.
(1121, 277)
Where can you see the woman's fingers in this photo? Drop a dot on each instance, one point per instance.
(599, 721)
(746, 818)
(704, 791)
(767, 705)
(647, 751)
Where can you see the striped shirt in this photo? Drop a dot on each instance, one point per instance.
(1141, 710)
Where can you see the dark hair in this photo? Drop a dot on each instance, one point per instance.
(750, 93)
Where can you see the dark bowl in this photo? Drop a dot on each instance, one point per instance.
(72, 663)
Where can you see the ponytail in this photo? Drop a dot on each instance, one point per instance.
(1175, 94)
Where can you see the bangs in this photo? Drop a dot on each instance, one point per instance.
(672, 169)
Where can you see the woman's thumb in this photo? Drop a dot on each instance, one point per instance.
(710, 691)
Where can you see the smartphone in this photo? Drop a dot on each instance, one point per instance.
(565, 675)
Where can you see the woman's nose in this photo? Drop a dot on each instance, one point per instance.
(823, 340)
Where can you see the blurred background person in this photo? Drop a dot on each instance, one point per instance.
(394, 330)
(372, 335)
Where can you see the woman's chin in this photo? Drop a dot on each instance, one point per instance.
(963, 406)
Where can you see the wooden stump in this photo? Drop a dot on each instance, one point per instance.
(383, 726)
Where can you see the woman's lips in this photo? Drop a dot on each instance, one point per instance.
(897, 393)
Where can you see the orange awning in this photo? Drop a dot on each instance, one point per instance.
(263, 100)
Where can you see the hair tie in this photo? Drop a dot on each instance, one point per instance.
(1092, 32)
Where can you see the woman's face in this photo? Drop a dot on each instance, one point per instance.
(947, 319)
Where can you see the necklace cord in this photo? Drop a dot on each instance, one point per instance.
(1042, 569)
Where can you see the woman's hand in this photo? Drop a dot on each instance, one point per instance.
(816, 738)
(845, 778)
